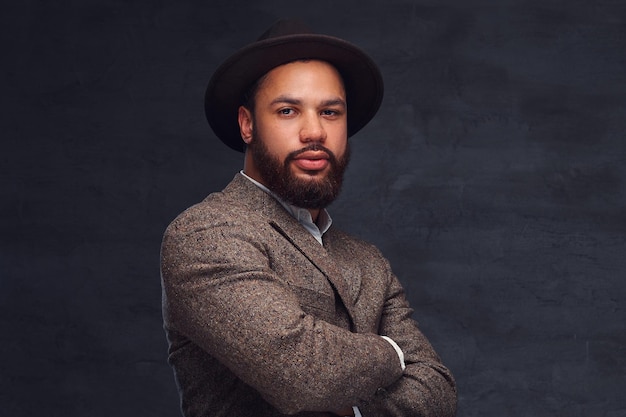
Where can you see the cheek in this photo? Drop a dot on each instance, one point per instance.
(280, 132)
(339, 139)
(275, 142)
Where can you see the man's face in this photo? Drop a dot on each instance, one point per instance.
(297, 133)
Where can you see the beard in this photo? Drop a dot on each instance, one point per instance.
(308, 193)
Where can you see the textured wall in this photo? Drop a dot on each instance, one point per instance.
(493, 178)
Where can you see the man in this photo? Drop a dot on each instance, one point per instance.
(268, 308)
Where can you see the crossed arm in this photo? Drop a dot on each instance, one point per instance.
(247, 317)
(426, 388)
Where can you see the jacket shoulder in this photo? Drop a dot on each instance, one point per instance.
(235, 205)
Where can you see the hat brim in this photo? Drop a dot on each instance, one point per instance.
(362, 79)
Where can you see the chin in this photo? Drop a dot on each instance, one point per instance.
(312, 177)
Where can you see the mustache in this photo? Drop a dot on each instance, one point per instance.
(312, 147)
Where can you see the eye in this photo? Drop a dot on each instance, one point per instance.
(331, 113)
(286, 111)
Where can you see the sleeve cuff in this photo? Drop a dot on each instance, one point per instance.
(398, 351)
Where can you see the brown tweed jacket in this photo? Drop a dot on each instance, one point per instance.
(263, 321)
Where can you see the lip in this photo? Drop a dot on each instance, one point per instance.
(312, 160)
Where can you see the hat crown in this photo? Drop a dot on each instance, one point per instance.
(285, 27)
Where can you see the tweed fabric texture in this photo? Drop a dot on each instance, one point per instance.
(263, 321)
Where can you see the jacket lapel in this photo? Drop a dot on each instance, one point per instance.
(306, 244)
(285, 224)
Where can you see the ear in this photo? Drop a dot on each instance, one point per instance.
(244, 116)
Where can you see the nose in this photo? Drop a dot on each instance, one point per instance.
(312, 129)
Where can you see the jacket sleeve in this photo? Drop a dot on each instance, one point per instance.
(427, 388)
(221, 293)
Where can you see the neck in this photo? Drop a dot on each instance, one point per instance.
(314, 214)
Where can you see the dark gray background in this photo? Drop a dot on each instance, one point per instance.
(493, 178)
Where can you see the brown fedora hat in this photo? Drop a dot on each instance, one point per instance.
(287, 41)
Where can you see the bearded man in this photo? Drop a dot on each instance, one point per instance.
(269, 309)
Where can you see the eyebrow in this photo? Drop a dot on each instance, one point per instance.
(294, 101)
